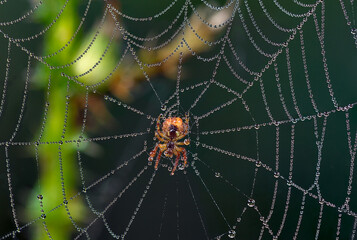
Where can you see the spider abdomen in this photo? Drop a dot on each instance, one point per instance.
(170, 149)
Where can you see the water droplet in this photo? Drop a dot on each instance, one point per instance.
(231, 234)
(39, 197)
(65, 202)
(251, 202)
(43, 216)
(163, 108)
(217, 174)
(186, 141)
(258, 164)
(276, 174)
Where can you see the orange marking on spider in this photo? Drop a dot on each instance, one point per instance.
(173, 129)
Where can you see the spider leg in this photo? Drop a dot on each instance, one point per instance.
(158, 159)
(158, 132)
(153, 153)
(159, 136)
(180, 137)
(162, 148)
(187, 118)
(158, 122)
(184, 156)
(186, 142)
(176, 163)
(187, 121)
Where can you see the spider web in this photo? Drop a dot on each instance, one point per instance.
(272, 124)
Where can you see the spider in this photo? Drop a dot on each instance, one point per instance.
(173, 130)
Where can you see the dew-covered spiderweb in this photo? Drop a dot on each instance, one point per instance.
(269, 87)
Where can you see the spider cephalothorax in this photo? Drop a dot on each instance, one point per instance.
(173, 129)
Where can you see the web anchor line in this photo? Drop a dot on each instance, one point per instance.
(197, 207)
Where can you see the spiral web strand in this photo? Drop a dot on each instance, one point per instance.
(289, 123)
